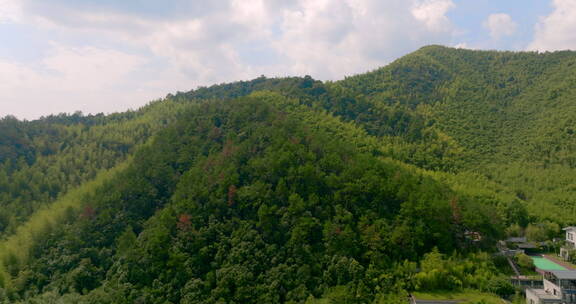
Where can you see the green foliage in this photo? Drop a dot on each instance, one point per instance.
(242, 201)
(56, 154)
(291, 190)
(525, 262)
(477, 271)
(510, 114)
(501, 286)
(514, 230)
(465, 297)
(398, 297)
(16, 250)
(540, 232)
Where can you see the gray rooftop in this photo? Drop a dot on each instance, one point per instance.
(516, 239)
(569, 228)
(564, 274)
(527, 246)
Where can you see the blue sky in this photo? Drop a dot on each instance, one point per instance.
(109, 55)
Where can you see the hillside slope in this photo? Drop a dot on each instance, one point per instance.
(291, 189)
(513, 113)
(246, 201)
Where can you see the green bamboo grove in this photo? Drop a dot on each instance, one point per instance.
(294, 190)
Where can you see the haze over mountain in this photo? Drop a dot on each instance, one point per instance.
(293, 190)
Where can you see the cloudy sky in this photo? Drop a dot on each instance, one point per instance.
(112, 55)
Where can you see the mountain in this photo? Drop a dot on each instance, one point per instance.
(292, 190)
(513, 114)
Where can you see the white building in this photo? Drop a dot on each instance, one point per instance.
(570, 242)
(559, 287)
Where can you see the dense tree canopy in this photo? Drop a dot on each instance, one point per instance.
(292, 190)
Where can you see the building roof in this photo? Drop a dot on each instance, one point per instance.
(569, 228)
(516, 239)
(564, 274)
(527, 246)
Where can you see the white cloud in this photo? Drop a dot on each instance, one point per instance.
(500, 25)
(330, 40)
(10, 11)
(327, 39)
(556, 31)
(69, 79)
(324, 38)
(89, 68)
(433, 13)
(253, 13)
(462, 45)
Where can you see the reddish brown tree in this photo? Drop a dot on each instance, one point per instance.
(456, 211)
(88, 213)
(231, 195)
(184, 222)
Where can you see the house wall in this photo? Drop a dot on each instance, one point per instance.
(564, 253)
(571, 237)
(552, 288)
(531, 298)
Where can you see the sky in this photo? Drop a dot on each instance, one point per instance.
(62, 56)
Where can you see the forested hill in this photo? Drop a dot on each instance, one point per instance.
(502, 105)
(292, 190)
(513, 113)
